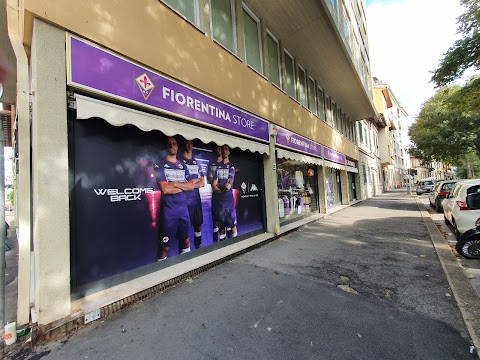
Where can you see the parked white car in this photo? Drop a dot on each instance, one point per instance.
(455, 208)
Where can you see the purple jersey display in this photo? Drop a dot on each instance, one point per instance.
(195, 172)
(212, 171)
(226, 174)
(194, 202)
(173, 172)
(174, 217)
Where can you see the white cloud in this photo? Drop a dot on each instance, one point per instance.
(407, 39)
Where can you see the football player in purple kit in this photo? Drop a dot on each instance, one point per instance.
(194, 201)
(216, 206)
(174, 181)
(222, 184)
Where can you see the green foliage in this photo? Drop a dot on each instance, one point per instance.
(11, 198)
(465, 52)
(468, 167)
(447, 127)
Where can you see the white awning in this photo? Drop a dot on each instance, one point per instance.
(117, 115)
(291, 155)
(351, 169)
(334, 165)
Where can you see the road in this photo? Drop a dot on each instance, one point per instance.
(470, 266)
(363, 283)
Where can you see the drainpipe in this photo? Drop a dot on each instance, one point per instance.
(23, 186)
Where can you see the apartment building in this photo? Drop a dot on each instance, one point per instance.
(392, 136)
(370, 169)
(161, 128)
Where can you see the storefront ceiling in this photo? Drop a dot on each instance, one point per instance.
(291, 155)
(118, 116)
(305, 29)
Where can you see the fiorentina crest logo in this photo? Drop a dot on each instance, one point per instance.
(145, 85)
(288, 138)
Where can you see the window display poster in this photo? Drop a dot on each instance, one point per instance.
(140, 197)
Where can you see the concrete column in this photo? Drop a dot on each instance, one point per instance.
(322, 190)
(271, 191)
(51, 227)
(344, 187)
(22, 180)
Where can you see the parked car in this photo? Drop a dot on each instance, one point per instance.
(468, 245)
(455, 208)
(425, 186)
(440, 192)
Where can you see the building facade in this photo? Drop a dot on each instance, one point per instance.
(392, 136)
(156, 139)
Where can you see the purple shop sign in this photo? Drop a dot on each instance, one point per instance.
(333, 155)
(98, 70)
(293, 141)
(349, 163)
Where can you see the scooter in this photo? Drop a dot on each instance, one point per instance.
(468, 245)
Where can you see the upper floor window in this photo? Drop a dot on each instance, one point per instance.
(253, 49)
(187, 8)
(328, 110)
(290, 75)
(273, 60)
(321, 104)
(312, 96)
(223, 24)
(302, 86)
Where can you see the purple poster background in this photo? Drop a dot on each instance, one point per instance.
(94, 69)
(333, 155)
(296, 142)
(117, 200)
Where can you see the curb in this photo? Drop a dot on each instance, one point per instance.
(467, 300)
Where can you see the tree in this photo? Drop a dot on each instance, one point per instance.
(11, 197)
(446, 129)
(468, 167)
(465, 52)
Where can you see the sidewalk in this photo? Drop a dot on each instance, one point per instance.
(363, 283)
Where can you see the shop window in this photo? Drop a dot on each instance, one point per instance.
(187, 8)
(302, 86)
(129, 222)
(297, 189)
(223, 24)
(312, 96)
(273, 60)
(289, 76)
(251, 31)
(321, 104)
(332, 187)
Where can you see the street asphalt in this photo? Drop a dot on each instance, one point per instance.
(363, 283)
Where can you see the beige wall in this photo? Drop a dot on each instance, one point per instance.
(149, 32)
(51, 225)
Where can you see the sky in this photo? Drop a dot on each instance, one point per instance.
(407, 39)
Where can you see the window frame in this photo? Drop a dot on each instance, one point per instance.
(259, 33)
(300, 69)
(287, 53)
(234, 27)
(322, 103)
(196, 12)
(279, 58)
(315, 110)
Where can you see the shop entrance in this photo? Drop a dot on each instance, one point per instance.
(351, 186)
